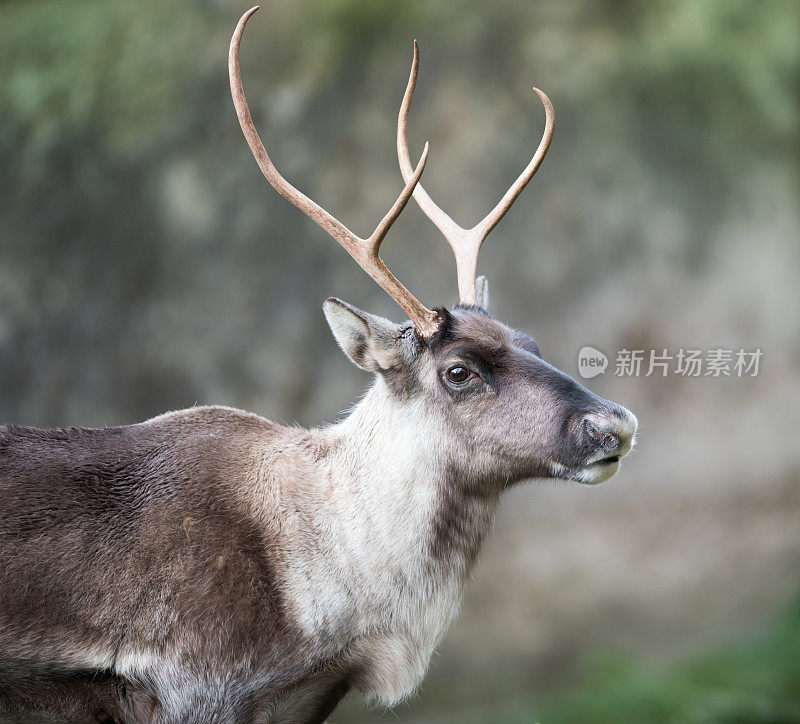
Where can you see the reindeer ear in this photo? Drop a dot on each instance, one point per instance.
(482, 292)
(371, 342)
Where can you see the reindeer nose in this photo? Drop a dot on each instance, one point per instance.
(612, 433)
(606, 440)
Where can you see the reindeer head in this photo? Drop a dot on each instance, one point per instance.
(504, 411)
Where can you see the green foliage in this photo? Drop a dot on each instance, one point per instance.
(756, 682)
(115, 68)
(709, 86)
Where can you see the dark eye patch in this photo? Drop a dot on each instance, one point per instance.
(478, 360)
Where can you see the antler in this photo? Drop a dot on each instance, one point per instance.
(364, 251)
(466, 243)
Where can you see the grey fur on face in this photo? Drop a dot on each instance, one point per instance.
(522, 414)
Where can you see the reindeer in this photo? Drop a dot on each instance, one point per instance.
(210, 565)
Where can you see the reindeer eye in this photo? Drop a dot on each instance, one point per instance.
(458, 375)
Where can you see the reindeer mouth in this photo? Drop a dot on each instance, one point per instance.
(597, 472)
(592, 473)
(589, 472)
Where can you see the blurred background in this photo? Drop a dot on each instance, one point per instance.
(145, 265)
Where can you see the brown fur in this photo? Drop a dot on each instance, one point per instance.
(210, 565)
(130, 536)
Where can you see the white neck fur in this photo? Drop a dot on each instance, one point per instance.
(360, 573)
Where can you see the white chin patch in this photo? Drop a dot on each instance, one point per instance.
(592, 474)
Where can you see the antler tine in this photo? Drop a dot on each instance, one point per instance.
(364, 251)
(466, 243)
(440, 218)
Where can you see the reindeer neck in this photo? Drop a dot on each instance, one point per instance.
(378, 537)
(391, 459)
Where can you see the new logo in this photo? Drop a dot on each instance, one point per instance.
(591, 362)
